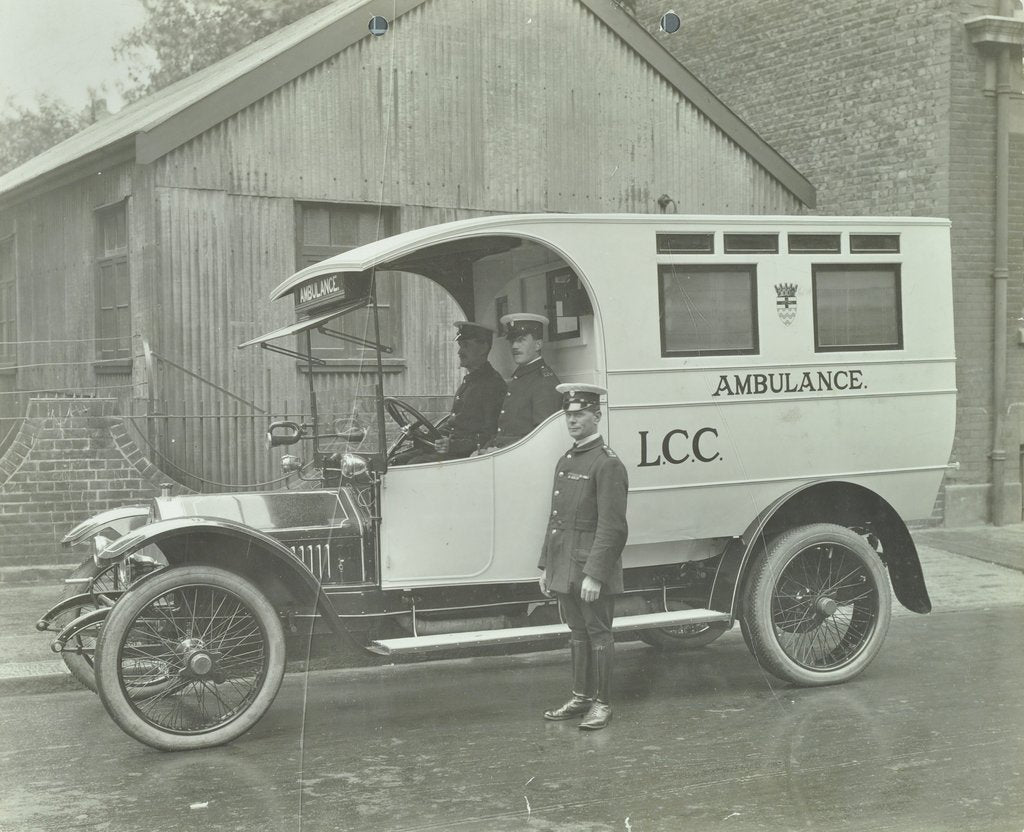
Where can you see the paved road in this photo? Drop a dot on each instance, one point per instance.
(931, 738)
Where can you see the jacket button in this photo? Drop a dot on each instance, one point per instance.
(560, 473)
(502, 413)
(556, 493)
(554, 512)
(554, 531)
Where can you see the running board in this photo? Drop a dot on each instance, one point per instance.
(513, 635)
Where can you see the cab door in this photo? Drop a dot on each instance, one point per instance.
(470, 521)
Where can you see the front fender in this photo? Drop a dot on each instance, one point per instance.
(121, 520)
(243, 549)
(85, 621)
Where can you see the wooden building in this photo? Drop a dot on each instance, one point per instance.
(136, 255)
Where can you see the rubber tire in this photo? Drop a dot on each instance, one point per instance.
(80, 665)
(119, 622)
(757, 608)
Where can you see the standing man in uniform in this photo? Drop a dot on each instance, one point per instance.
(474, 416)
(581, 560)
(531, 395)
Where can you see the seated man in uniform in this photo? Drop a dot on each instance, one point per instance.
(474, 416)
(531, 395)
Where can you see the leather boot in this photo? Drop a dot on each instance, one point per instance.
(600, 712)
(580, 701)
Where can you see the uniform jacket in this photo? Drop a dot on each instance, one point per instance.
(475, 410)
(587, 526)
(530, 399)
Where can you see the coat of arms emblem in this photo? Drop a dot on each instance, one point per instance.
(785, 303)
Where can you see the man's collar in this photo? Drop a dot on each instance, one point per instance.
(483, 366)
(584, 443)
(529, 367)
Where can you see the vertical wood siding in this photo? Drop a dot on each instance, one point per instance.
(463, 109)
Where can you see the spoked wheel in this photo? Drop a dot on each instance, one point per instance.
(87, 576)
(685, 636)
(217, 638)
(817, 606)
(105, 585)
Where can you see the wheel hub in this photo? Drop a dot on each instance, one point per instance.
(826, 607)
(199, 662)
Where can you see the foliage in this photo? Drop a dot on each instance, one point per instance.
(180, 37)
(28, 130)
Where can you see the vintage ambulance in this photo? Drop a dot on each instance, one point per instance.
(780, 389)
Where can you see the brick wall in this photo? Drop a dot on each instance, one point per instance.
(883, 106)
(71, 459)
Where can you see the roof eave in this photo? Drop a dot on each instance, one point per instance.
(91, 164)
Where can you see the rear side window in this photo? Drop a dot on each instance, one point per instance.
(708, 310)
(857, 307)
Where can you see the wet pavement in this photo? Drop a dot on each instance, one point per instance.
(930, 737)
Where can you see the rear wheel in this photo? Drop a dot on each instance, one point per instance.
(817, 605)
(217, 639)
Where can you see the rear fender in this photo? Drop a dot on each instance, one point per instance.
(842, 503)
(234, 546)
(119, 520)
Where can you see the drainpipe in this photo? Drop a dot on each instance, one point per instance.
(999, 36)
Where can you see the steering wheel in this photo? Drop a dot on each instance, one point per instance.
(414, 426)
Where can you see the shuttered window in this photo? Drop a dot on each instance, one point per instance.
(8, 305)
(113, 290)
(324, 230)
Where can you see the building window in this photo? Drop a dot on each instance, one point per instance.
(857, 308)
(324, 230)
(114, 313)
(708, 310)
(8, 305)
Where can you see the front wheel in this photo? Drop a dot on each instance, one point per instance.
(216, 637)
(817, 605)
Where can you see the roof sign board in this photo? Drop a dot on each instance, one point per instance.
(323, 290)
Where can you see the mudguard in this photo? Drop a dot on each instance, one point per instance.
(85, 599)
(828, 501)
(122, 520)
(259, 555)
(86, 620)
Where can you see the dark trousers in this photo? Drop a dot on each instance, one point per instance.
(591, 643)
(589, 621)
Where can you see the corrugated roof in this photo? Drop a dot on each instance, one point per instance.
(157, 124)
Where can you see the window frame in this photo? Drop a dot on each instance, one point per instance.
(9, 318)
(750, 269)
(858, 267)
(306, 254)
(116, 359)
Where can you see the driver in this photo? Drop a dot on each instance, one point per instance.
(474, 415)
